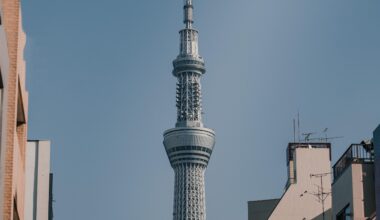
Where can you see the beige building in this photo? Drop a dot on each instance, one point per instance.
(353, 189)
(13, 111)
(37, 180)
(308, 188)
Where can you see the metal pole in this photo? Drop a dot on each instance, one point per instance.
(323, 201)
(321, 195)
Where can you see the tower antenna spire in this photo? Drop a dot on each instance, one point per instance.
(188, 14)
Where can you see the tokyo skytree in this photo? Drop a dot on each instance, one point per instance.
(189, 145)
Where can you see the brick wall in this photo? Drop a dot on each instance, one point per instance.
(16, 99)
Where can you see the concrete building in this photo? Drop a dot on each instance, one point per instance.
(189, 145)
(353, 189)
(13, 111)
(37, 181)
(376, 141)
(307, 190)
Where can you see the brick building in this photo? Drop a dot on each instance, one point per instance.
(13, 111)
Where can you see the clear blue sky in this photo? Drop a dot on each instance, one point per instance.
(100, 84)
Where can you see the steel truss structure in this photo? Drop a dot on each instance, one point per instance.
(189, 192)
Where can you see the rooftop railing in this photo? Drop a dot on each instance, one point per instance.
(356, 153)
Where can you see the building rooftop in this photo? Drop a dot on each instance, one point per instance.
(294, 145)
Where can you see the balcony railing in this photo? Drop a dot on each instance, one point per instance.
(356, 153)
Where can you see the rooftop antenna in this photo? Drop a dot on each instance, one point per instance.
(325, 132)
(324, 137)
(321, 195)
(307, 136)
(299, 128)
(327, 138)
(294, 130)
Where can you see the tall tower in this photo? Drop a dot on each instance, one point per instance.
(189, 145)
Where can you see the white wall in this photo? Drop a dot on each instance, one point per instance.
(37, 170)
(297, 205)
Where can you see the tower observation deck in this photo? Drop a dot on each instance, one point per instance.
(189, 145)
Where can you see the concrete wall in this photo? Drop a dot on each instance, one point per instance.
(355, 188)
(37, 180)
(295, 203)
(376, 138)
(261, 210)
(369, 197)
(342, 193)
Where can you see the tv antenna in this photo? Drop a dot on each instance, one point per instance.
(307, 136)
(325, 139)
(296, 128)
(321, 195)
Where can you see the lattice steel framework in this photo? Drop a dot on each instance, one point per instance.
(188, 100)
(189, 145)
(189, 191)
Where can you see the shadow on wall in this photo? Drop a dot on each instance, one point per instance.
(328, 216)
(369, 189)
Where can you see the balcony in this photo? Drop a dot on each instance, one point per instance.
(356, 153)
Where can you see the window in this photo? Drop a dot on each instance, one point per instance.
(345, 213)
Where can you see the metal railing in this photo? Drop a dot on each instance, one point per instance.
(356, 153)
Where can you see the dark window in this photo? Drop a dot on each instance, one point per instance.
(344, 214)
